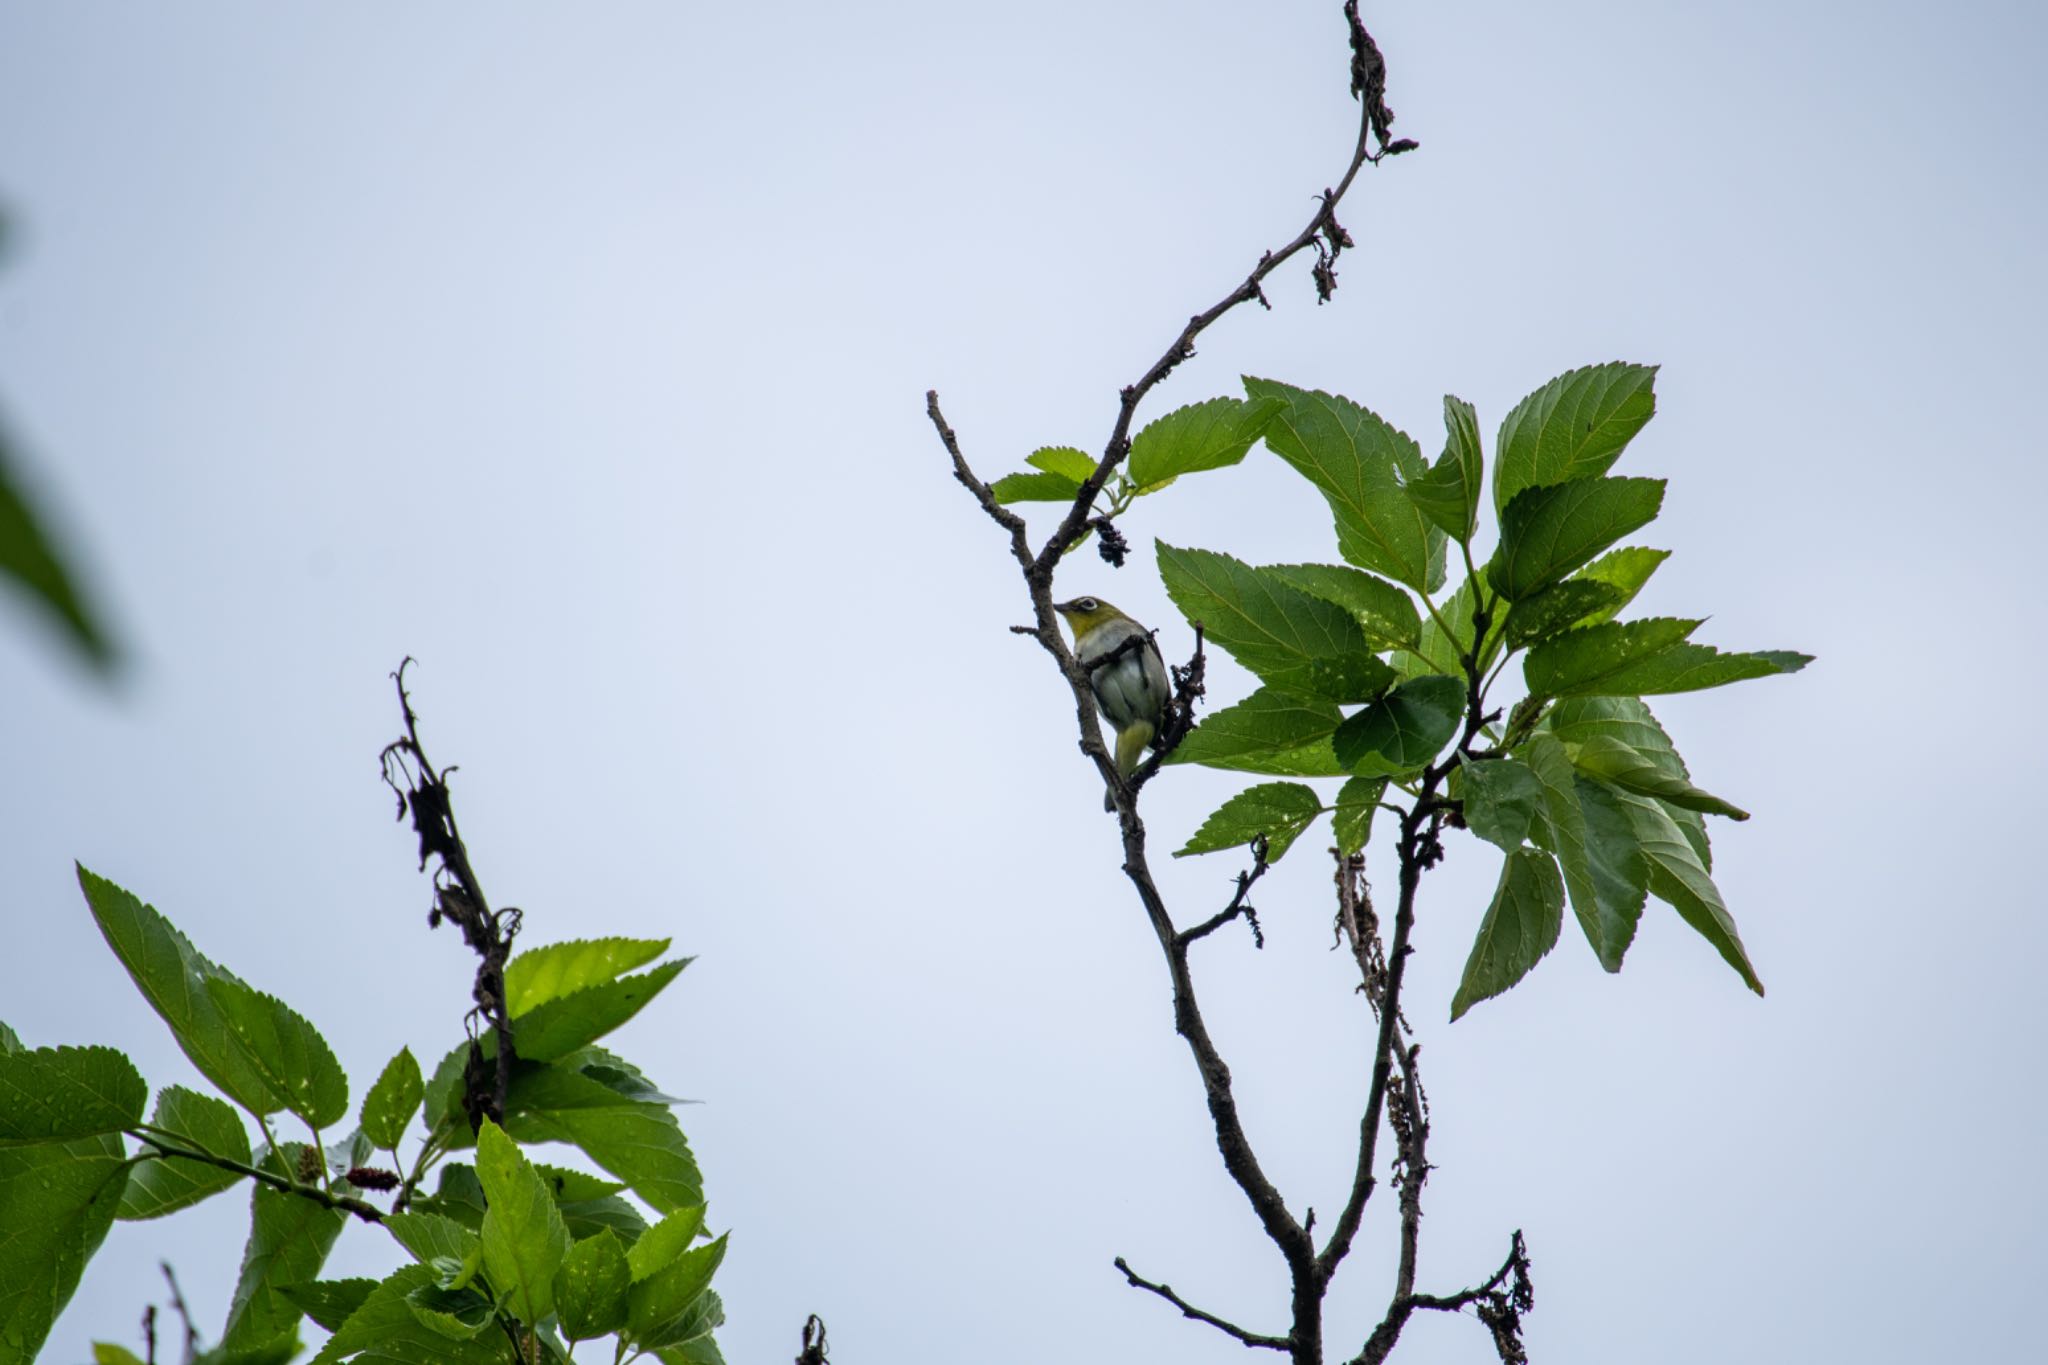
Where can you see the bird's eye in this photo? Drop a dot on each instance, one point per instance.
(1087, 604)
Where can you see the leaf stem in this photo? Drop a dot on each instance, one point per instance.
(369, 1213)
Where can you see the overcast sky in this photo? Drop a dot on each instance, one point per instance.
(580, 352)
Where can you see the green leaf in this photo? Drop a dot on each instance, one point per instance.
(1692, 668)
(56, 1093)
(591, 1288)
(1626, 570)
(1502, 798)
(1583, 661)
(107, 1353)
(57, 1201)
(1359, 463)
(1678, 878)
(1574, 427)
(558, 1027)
(524, 1240)
(289, 1238)
(687, 1336)
(427, 1235)
(161, 1185)
(1403, 730)
(1520, 926)
(172, 976)
(1559, 607)
(655, 1303)
(1547, 532)
(1290, 638)
(328, 1302)
(1268, 732)
(1440, 651)
(1035, 488)
(1628, 719)
(1620, 873)
(1064, 461)
(1358, 800)
(1612, 760)
(31, 558)
(385, 1328)
(458, 1194)
(1385, 613)
(664, 1242)
(393, 1100)
(1278, 810)
(457, 1314)
(1449, 493)
(700, 1351)
(1200, 436)
(289, 1052)
(10, 1041)
(636, 1140)
(1607, 922)
(554, 970)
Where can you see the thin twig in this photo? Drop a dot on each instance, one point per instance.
(1188, 1310)
(1238, 905)
(167, 1149)
(184, 1313)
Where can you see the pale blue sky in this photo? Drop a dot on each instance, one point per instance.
(581, 352)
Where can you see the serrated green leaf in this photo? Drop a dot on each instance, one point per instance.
(524, 1240)
(294, 1060)
(1581, 662)
(1201, 436)
(1574, 427)
(105, 1353)
(1359, 463)
(591, 1288)
(1290, 638)
(1064, 461)
(458, 1194)
(57, 1201)
(31, 557)
(558, 1027)
(1385, 613)
(687, 1336)
(427, 1235)
(571, 1186)
(328, 1302)
(654, 1304)
(54, 1094)
(1501, 800)
(1278, 810)
(1559, 607)
(588, 1217)
(1608, 925)
(1547, 532)
(1578, 719)
(10, 1041)
(1625, 570)
(1403, 730)
(457, 1314)
(195, 1122)
(1358, 800)
(1678, 878)
(172, 976)
(554, 970)
(1244, 738)
(637, 1141)
(289, 1238)
(1520, 927)
(1612, 761)
(1620, 873)
(385, 1328)
(1449, 493)
(1035, 488)
(393, 1100)
(1691, 668)
(664, 1242)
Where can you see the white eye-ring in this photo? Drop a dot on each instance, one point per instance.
(1087, 604)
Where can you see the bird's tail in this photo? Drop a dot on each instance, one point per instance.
(1130, 747)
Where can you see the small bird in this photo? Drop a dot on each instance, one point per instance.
(1130, 689)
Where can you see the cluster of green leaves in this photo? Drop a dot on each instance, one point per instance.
(1209, 435)
(507, 1259)
(1373, 668)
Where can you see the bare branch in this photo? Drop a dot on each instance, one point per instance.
(1188, 1310)
(983, 494)
(1500, 1301)
(1238, 904)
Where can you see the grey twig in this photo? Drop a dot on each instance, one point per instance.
(1188, 1310)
